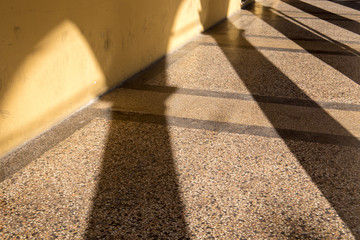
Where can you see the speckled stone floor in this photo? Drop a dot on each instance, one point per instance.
(250, 131)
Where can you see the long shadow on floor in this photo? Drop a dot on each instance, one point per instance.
(138, 192)
(331, 160)
(354, 4)
(339, 56)
(323, 14)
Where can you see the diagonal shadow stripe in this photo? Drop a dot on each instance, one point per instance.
(337, 177)
(283, 49)
(354, 4)
(323, 14)
(247, 97)
(287, 134)
(347, 65)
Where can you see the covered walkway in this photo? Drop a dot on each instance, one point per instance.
(250, 131)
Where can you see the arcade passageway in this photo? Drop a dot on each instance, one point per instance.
(249, 131)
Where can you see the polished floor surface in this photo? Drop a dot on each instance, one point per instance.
(250, 131)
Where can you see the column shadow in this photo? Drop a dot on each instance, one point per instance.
(339, 56)
(333, 167)
(137, 194)
(325, 15)
(354, 4)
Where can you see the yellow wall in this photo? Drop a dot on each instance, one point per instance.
(58, 55)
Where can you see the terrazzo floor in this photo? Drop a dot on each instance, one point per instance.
(250, 131)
